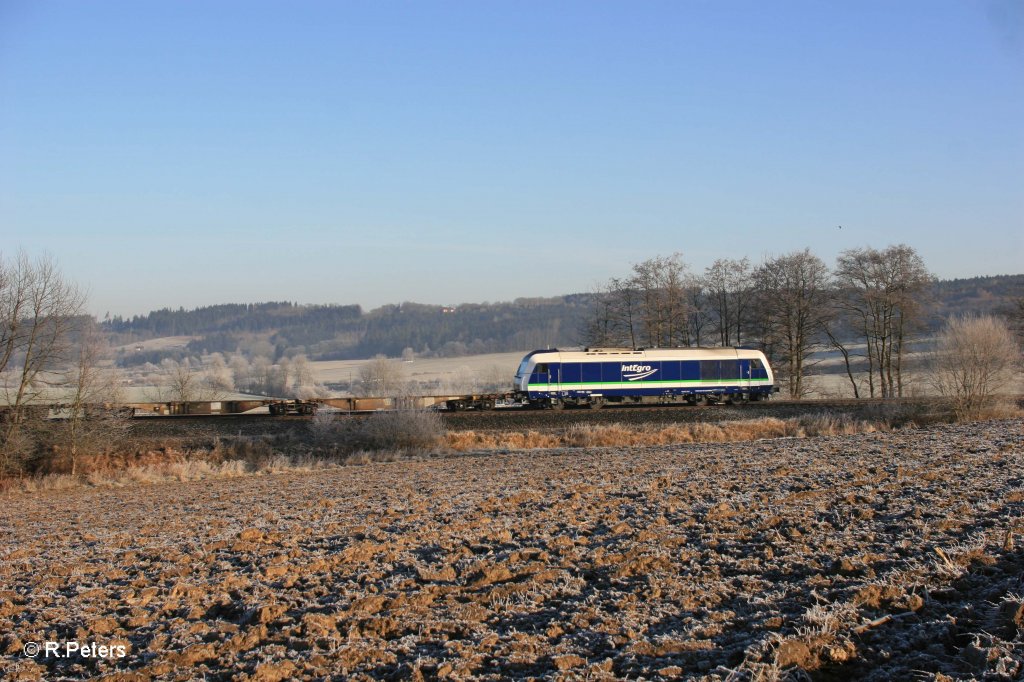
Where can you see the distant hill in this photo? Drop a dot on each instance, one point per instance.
(332, 332)
(979, 295)
(338, 332)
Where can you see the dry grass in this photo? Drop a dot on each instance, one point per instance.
(419, 435)
(167, 472)
(410, 436)
(583, 435)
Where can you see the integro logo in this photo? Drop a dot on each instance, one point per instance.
(637, 372)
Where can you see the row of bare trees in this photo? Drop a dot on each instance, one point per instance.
(50, 352)
(650, 307)
(212, 377)
(868, 308)
(883, 295)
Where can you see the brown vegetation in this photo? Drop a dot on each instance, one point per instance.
(872, 556)
(974, 360)
(583, 435)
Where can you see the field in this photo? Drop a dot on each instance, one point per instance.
(875, 556)
(444, 371)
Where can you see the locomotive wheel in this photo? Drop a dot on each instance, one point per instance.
(596, 403)
(556, 404)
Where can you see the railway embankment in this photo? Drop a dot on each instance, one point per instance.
(894, 412)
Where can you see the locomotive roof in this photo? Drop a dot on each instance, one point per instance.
(652, 353)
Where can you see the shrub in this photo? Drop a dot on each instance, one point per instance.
(404, 429)
(255, 452)
(973, 361)
(325, 426)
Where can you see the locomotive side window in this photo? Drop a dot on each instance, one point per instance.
(730, 369)
(755, 364)
(542, 368)
(710, 370)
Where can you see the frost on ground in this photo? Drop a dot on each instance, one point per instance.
(878, 556)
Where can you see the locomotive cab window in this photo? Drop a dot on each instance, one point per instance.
(755, 364)
(542, 368)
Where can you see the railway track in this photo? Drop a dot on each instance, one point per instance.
(526, 419)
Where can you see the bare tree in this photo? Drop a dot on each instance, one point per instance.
(625, 309)
(218, 375)
(260, 371)
(651, 307)
(240, 373)
(38, 313)
(276, 382)
(93, 420)
(661, 282)
(187, 381)
(975, 358)
(883, 294)
(382, 377)
(727, 284)
(260, 376)
(302, 380)
(603, 327)
(700, 312)
(1014, 312)
(793, 306)
(837, 342)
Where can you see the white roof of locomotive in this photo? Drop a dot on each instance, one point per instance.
(597, 354)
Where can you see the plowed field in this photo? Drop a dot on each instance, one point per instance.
(879, 556)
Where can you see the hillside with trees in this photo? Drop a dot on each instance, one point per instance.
(333, 332)
(660, 303)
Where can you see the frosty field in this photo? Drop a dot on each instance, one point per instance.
(877, 556)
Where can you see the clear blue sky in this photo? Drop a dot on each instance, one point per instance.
(190, 153)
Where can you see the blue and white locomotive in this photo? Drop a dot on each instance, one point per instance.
(596, 376)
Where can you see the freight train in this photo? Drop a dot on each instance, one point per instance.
(554, 379)
(594, 377)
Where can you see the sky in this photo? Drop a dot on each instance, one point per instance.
(187, 153)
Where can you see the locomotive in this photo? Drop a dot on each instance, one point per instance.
(594, 377)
